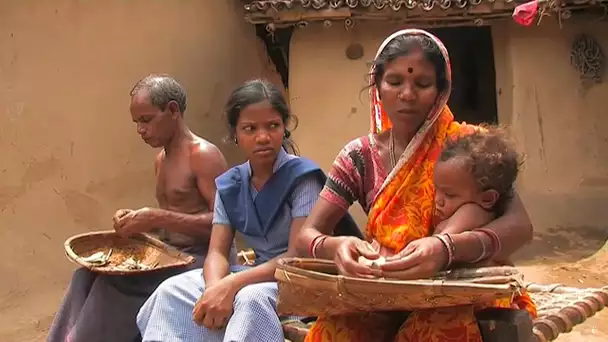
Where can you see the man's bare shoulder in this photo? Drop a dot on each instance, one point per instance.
(204, 155)
(158, 160)
(204, 150)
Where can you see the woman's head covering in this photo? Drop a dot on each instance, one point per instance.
(379, 119)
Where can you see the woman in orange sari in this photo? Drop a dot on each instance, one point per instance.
(389, 172)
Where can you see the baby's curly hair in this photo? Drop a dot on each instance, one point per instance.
(490, 156)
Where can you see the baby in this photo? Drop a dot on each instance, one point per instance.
(473, 179)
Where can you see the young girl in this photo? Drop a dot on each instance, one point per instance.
(265, 200)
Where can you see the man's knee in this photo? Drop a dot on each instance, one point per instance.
(83, 273)
(82, 280)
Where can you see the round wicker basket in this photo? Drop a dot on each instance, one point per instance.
(146, 250)
(312, 287)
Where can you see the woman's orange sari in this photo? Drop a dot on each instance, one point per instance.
(402, 213)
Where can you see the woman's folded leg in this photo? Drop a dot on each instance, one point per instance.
(455, 324)
(365, 327)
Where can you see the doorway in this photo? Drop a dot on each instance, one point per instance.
(473, 97)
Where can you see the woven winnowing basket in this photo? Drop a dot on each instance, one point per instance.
(312, 287)
(143, 248)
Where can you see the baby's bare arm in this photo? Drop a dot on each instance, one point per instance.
(468, 217)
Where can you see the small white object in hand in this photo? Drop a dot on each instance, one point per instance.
(372, 263)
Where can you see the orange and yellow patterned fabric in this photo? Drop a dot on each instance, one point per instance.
(403, 209)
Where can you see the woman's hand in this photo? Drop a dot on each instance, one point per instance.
(214, 308)
(347, 256)
(420, 259)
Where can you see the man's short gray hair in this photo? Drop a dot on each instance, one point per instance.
(162, 89)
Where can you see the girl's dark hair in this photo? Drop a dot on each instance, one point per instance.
(490, 157)
(256, 91)
(404, 45)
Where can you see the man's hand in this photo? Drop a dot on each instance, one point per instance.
(119, 214)
(128, 222)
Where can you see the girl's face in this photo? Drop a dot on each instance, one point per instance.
(455, 186)
(408, 89)
(259, 132)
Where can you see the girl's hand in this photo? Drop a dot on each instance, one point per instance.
(214, 308)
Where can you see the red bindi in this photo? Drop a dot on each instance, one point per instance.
(410, 70)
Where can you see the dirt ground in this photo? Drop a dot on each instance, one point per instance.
(554, 256)
(566, 256)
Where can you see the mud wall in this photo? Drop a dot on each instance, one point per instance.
(70, 153)
(561, 127)
(561, 130)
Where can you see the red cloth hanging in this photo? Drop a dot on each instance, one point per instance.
(524, 14)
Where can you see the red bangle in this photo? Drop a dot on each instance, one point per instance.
(312, 245)
(317, 244)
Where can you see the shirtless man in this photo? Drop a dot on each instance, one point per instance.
(186, 168)
(101, 308)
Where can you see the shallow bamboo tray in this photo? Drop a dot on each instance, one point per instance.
(143, 248)
(312, 287)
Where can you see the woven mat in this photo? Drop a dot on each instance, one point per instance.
(560, 308)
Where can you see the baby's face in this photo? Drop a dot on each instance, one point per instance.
(454, 186)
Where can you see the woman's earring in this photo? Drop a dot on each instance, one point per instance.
(287, 135)
(236, 142)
